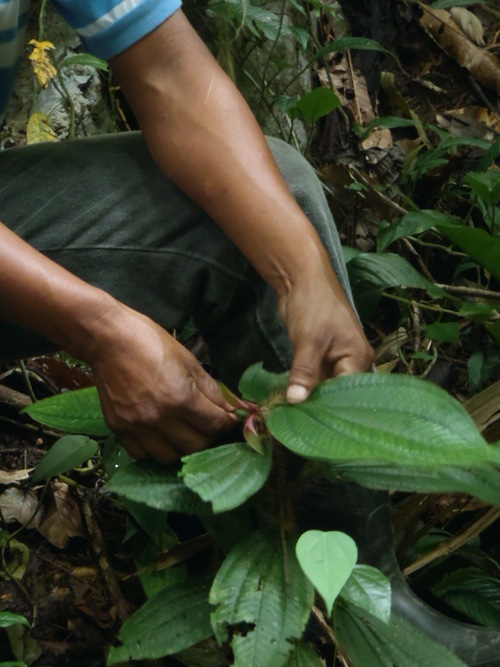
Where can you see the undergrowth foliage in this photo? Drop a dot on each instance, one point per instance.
(272, 591)
(269, 573)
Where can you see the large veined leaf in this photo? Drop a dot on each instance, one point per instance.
(303, 655)
(478, 244)
(481, 480)
(371, 273)
(66, 453)
(368, 641)
(158, 487)
(73, 412)
(257, 384)
(383, 418)
(369, 589)
(172, 620)
(412, 223)
(327, 559)
(263, 601)
(228, 475)
(471, 592)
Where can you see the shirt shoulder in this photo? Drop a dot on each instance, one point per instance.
(107, 27)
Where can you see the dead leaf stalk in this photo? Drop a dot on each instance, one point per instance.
(107, 572)
(455, 542)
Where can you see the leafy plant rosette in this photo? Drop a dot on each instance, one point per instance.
(255, 609)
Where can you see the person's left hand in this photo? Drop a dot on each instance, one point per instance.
(326, 334)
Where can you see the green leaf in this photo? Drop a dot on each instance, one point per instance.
(228, 475)
(448, 332)
(258, 385)
(383, 418)
(327, 559)
(471, 592)
(65, 454)
(85, 59)
(416, 222)
(73, 412)
(13, 663)
(7, 618)
(262, 599)
(481, 480)
(174, 619)
(146, 556)
(369, 641)
(371, 273)
(485, 185)
(316, 104)
(156, 486)
(386, 122)
(344, 43)
(229, 528)
(490, 155)
(478, 244)
(369, 589)
(152, 521)
(303, 655)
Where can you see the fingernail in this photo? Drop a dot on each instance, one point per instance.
(296, 393)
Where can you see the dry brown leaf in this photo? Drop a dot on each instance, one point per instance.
(484, 408)
(19, 505)
(14, 476)
(389, 347)
(63, 519)
(350, 86)
(482, 64)
(469, 23)
(470, 121)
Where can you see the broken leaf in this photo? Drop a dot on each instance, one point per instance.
(19, 505)
(63, 519)
(39, 129)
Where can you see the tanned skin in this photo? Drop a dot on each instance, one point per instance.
(154, 394)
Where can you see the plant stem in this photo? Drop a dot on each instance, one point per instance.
(425, 306)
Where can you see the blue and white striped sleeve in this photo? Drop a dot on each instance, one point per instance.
(107, 27)
(13, 20)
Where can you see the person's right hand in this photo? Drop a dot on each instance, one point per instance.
(155, 395)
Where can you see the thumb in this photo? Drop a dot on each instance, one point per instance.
(304, 374)
(211, 389)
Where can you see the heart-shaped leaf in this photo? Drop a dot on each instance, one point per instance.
(327, 559)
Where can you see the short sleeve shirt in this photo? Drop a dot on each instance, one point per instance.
(105, 28)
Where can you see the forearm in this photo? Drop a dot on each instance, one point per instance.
(204, 137)
(39, 295)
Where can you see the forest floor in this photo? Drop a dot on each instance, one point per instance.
(72, 569)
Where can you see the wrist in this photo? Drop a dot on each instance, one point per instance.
(89, 321)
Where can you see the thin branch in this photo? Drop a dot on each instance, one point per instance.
(479, 292)
(455, 542)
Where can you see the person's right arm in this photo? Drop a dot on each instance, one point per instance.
(154, 393)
